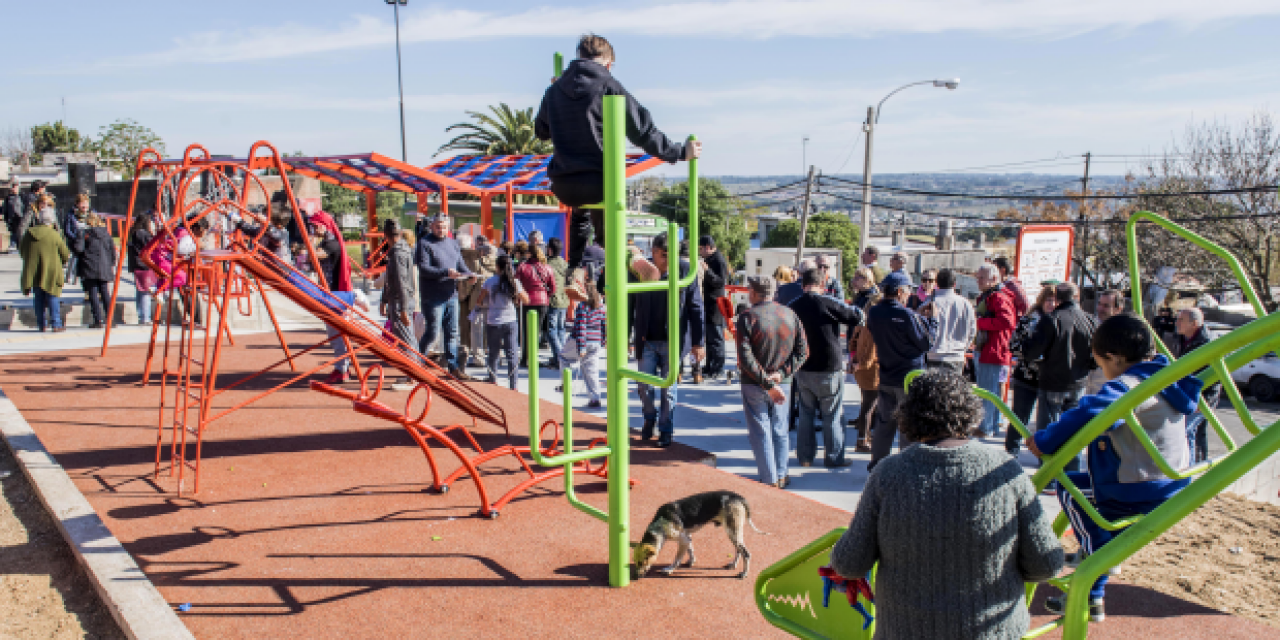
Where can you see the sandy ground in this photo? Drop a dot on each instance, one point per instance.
(1225, 556)
(43, 591)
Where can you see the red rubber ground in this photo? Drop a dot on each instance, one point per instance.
(312, 521)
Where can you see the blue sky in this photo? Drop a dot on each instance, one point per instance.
(1039, 79)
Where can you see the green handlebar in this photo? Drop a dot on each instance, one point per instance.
(535, 437)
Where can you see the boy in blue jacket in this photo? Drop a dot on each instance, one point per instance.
(1122, 476)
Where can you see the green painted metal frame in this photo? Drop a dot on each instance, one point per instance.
(1211, 363)
(618, 447)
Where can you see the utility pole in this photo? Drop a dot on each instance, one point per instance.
(804, 216)
(864, 236)
(1084, 247)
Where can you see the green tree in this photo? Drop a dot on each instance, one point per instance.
(339, 200)
(721, 215)
(56, 137)
(120, 142)
(507, 132)
(830, 230)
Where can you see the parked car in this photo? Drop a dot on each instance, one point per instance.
(1261, 378)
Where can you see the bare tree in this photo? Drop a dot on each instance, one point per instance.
(15, 142)
(1217, 157)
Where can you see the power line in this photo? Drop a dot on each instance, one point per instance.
(1100, 196)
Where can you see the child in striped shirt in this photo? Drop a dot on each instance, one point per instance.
(588, 332)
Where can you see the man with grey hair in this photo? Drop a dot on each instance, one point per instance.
(832, 286)
(771, 347)
(1064, 340)
(1192, 334)
(787, 293)
(997, 318)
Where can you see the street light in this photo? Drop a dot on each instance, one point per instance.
(804, 155)
(404, 149)
(873, 118)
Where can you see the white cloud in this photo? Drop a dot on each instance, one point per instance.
(291, 101)
(754, 19)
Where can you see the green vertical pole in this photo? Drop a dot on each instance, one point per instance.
(559, 64)
(619, 437)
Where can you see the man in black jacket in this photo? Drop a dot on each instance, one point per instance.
(1064, 339)
(572, 118)
(820, 381)
(651, 332)
(715, 275)
(12, 212)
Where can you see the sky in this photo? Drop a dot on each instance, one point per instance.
(1039, 80)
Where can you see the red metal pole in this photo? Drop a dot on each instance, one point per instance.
(511, 213)
(124, 247)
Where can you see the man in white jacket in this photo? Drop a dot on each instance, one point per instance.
(957, 324)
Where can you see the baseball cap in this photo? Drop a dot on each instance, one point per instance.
(893, 281)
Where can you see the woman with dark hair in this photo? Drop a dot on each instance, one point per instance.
(502, 295)
(948, 506)
(539, 281)
(1026, 374)
(96, 266)
(144, 279)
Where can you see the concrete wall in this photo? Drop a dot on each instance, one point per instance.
(1262, 484)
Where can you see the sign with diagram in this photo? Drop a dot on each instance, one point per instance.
(1044, 253)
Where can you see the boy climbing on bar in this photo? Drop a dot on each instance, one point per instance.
(572, 118)
(1122, 475)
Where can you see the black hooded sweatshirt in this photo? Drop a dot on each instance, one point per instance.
(572, 118)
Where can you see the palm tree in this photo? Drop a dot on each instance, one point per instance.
(507, 132)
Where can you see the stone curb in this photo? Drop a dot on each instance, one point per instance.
(136, 605)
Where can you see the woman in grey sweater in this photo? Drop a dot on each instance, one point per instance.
(955, 526)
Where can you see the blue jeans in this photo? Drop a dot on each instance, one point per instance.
(1090, 535)
(1052, 405)
(142, 298)
(767, 431)
(654, 361)
(47, 301)
(435, 314)
(502, 338)
(1024, 401)
(991, 377)
(556, 333)
(823, 394)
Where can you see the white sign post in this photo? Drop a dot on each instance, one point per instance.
(1044, 253)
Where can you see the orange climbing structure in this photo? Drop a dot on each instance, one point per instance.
(222, 273)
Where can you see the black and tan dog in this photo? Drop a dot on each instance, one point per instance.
(677, 520)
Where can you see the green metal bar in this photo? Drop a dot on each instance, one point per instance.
(1237, 402)
(566, 377)
(559, 65)
(1135, 271)
(615, 273)
(783, 566)
(535, 438)
(1213, 482)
